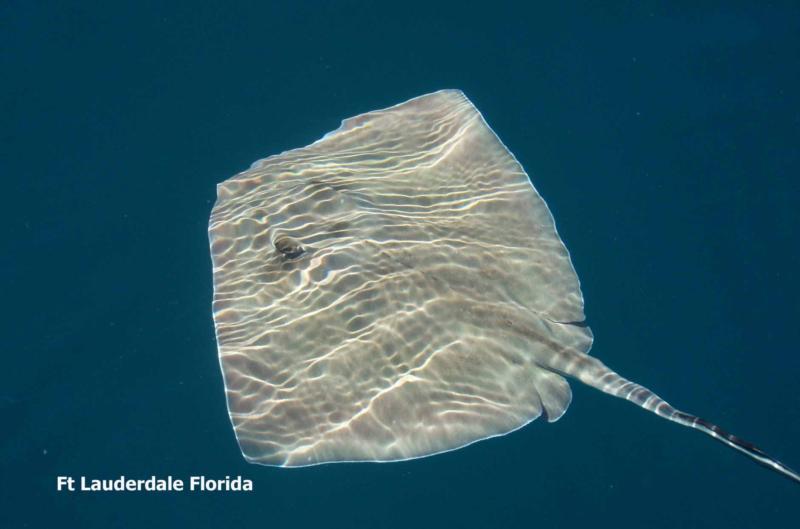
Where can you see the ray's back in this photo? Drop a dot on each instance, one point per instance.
(430, 295)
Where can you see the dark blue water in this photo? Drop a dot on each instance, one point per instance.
(664, 140)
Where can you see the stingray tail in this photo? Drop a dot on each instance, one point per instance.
(593, 372)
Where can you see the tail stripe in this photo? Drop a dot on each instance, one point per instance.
(594, 373)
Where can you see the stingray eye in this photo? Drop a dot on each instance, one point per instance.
(290, 248)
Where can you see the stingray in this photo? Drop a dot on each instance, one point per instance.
(398, 289)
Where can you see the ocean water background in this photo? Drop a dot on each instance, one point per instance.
(664, 139)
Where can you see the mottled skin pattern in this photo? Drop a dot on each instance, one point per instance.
(394, 290)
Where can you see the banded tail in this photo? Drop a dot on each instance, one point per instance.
(593, 372)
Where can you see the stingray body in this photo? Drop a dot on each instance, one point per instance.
(398, 289)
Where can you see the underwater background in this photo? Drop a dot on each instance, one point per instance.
(664, 139)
